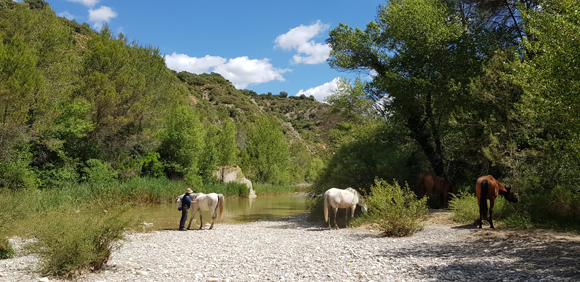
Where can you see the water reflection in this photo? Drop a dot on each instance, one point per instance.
(166, 216)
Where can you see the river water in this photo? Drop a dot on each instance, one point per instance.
(237, 210)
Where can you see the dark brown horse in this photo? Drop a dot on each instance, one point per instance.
(432, 184)
(487, 188)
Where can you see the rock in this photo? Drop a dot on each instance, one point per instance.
(141, 272)
(227, 174)
(43, 279)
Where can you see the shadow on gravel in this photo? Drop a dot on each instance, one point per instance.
(299, 221)
(498, 256)
(465, 226)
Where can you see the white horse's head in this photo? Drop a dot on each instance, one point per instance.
(359, 199)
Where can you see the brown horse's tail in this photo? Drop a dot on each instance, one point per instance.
(221, 203)
(483, 197)
(325, 207)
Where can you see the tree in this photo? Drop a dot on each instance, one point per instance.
(550, 79)
(283, 94)
(424, 56)
(18, 79)
(415, 48)
(268, 158)
(351, 101)
(181, 142)
(227, 149)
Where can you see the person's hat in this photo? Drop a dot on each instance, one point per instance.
(189, 191)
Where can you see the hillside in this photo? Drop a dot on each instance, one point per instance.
(214, 96)
(84, 106)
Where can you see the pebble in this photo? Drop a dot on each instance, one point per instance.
(294, 249)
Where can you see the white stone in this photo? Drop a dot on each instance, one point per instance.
(141, 272)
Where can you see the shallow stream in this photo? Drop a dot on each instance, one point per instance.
(237, 210)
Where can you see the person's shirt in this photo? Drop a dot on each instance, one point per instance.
(186, 201)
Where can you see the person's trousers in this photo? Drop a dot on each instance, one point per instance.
(183, 218)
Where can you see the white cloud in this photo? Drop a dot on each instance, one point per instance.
(241, 71)
(182, 62)
(319, 92)
(100, 16)
(299, 39)
(66, 15)
(88, 3)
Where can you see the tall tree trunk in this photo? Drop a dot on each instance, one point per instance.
(423, 136)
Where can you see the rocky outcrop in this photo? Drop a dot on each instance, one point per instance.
(227, 174)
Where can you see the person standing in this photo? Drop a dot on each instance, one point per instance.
(186, 202)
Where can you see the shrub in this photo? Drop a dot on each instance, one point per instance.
(71, 244)
(558, 207)
(466, 210)
(6, 250)
(152, 166)
(17, 174)
(464, 207)
(396, 209)
(97, 171)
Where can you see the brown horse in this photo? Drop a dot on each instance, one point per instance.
(432, 184)
(487, 188)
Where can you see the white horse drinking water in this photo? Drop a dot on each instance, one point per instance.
(343, 199)
(207, 202)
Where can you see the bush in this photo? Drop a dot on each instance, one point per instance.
(464, 207)
(17, 174)
(97, 171)
(558, 207)
(6, 250)
(84, 241)
(466, 210)
(397, 210)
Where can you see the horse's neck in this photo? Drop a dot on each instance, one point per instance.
(501, 189)
(503, 192)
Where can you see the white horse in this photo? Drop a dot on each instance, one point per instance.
(343, 199)
(206, 202)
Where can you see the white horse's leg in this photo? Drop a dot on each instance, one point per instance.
(352, 215)
(212, 221)
(200, 220)
(213, 216)
(346, 218)
(335, 224)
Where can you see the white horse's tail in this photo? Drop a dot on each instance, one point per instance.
(326, 207)
(221, 203)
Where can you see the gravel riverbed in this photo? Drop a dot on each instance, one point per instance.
(294, 249)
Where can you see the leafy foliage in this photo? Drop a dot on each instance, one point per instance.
(6, 249)
(396, 209)
(268, 158)
(83, 242)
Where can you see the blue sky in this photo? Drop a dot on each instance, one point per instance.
(265, 46)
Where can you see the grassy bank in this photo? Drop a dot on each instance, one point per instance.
(19, 208)
(269, 189)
